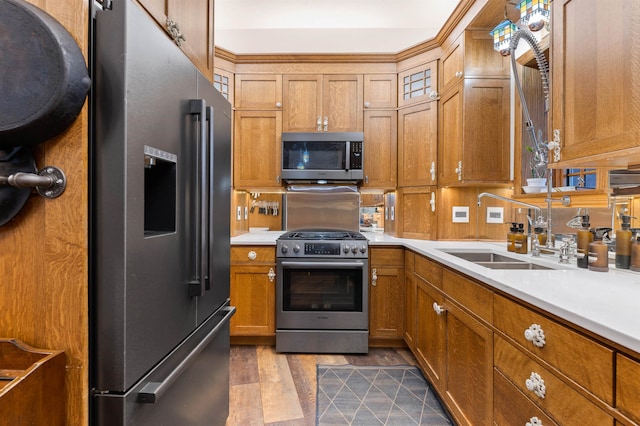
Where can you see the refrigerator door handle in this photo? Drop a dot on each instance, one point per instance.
(208, 219)
(153, 391)
(199, 283)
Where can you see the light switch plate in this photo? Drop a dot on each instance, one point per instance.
(495, 214)
(460, 214)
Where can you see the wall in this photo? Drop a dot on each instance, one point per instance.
(44, 260)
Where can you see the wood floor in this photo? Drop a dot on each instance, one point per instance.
(269, 388)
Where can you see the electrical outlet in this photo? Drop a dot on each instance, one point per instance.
(495, 214)
(460, 214)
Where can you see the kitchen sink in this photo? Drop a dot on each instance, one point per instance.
(492, 260)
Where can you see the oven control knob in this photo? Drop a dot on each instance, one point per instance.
(284, 249)
(354, 249)
(363, 249)
(345, 248)
(296, 248)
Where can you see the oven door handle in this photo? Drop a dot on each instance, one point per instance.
(318, 265)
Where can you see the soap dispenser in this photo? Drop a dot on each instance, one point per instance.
(623, 243)
(520, 241)
(511, 236)
(540, 235)
(635, 250)
(599, 251)
(584, 236)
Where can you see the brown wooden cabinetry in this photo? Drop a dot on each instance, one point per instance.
(322, 103)
(594, 70)
(380, 91)
(253, 290)
(258, 92)
(416, 213)
(256, 149)
(474, 143)
(628, 387)
(417, 145)
(410, 308)
(381, 149)
(194, 20)
(386, 295)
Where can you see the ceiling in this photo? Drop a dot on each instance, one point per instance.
(327, 26)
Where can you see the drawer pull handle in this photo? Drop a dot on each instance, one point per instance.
(271, 275)
(534, 421)
(535, 335)
(252, 255)
(374, 277)
(536, 385)
(439, 310)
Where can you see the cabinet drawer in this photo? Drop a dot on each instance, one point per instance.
(564, 404)
(253, 255)
(511, 406)
(473, 296)
(628, 387)
(580, 358)
(429, 270)
(387, 256)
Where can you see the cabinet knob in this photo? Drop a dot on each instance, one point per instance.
(458, 170)
(326, 124)
(278, 104)
(554, 145)
(374, 277)
(432, 202)
(433, 95)
(175, 32)
(432, 170)
(458, 74)
(438, 309)
(271, 275)
(535, 335)
(252, 255)
(366, 104)
(534, 421)
(536, 385)
(319, 123)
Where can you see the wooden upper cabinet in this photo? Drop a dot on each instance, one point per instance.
(416, 213)
(258, 91)
(256, 149)
(474, 143)
(194, 19)
(418, 84)
(595, 74)
(380, 91)
(323, 103)
(381, 149)
(417, 144)
(471, 55)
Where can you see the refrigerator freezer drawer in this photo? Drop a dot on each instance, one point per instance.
(189, 387)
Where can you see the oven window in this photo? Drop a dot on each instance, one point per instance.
(314, 155)
(322, 290)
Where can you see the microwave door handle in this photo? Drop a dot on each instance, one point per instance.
(348, 155)
(198, 109)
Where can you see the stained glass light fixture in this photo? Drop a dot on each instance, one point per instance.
(534, 13)
(502, 34)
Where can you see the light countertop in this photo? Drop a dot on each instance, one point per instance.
(605, 303)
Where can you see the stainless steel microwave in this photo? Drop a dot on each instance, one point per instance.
(322, 157)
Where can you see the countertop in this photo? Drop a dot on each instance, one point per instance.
(605, 303)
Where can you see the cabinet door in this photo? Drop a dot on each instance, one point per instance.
(258, 91)
(452, 65)
(381, 148)
(469, 377)
(252, 292)
(342, 103)
(195, 18)
(386, 302)
(450, 143)
(415, 217)
(595, 71)
(256, 149)
(409, 300)
(628, 387)
(417, 85)
(380, 91)
(430, 332)
(302, 98)
(417, 144)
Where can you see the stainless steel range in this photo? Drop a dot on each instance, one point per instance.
(322, 292)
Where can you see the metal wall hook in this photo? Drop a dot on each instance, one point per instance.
(50, 181)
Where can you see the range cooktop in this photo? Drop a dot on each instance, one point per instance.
(322, 235)
(322, 244)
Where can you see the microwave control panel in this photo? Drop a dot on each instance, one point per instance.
(355, 159)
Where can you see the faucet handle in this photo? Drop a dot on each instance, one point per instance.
(564, 252)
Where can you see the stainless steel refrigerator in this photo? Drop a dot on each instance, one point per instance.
(159, 233)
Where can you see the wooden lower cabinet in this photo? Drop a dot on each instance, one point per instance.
(410, 295)
(430, 332)
(512, 407)
(628, 387)
(386, 296)
(253, 291)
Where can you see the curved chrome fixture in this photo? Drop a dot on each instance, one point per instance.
(510, 200)
(541, 152)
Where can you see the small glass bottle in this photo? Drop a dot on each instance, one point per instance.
(623, 243)
(511, 236)
(540, 235)
(520, 241)
(584, 236)
(634, 264)
(599, 251)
